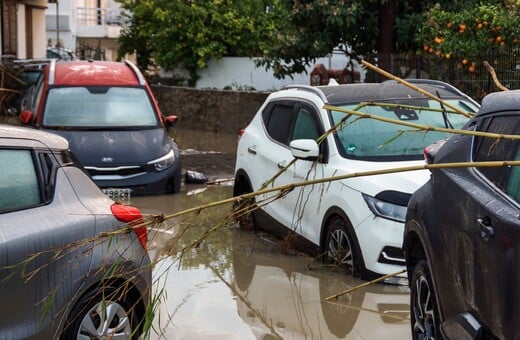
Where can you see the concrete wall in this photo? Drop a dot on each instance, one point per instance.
(209, 110)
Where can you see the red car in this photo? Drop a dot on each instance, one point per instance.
(112, 121)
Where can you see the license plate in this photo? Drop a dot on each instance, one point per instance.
(118, 194)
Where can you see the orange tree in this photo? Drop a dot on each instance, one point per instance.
(466, 32)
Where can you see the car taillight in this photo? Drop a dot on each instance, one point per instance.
(428, 157)
(240, 133)
(431, 150)
(133, 216)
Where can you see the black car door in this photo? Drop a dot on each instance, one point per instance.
(479, 210)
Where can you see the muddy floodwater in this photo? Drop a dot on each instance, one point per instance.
(216, 282)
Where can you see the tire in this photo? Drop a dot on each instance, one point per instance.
(177, 180)
(244, 210)
(424, 308)
(90, 313)
(341, 247)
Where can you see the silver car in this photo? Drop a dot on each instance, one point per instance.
(73, 263)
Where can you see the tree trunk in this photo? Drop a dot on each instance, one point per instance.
(387, 15)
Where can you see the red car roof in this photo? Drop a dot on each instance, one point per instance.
(84, 73)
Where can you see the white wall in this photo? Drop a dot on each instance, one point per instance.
(239, 72)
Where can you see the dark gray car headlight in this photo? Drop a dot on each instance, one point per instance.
(389, 204)
(163, 162)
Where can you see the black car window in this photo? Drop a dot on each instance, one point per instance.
(278, 121)
(19, 187)
(492, 149)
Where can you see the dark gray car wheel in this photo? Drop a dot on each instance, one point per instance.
(102, 314)
(340, 246)
(423, 304)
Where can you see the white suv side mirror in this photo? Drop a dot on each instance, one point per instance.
(305, 149)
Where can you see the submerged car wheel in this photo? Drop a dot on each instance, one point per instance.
(244, 209)
(102, 314)
(425, 316)
(340, 246)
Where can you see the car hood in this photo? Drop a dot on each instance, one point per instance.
(406, 182)
(116, 147)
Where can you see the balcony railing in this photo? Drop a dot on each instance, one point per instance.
(95, 16)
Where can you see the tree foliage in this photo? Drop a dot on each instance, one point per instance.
(188, 33)
(288, 35)
(464, 32)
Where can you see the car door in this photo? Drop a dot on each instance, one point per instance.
(481, 228)
(299, 208)
(273, 154)
(44, 243)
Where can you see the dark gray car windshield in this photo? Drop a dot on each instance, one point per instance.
(369, 139)
(98, 107)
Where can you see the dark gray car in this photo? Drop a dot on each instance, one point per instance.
(69, 265)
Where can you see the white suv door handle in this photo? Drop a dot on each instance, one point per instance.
(252, 150)
(281, 165)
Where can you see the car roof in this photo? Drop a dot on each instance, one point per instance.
(94, 73)
(346, 93)
(386, 91)
(24, 134)
(500, 101)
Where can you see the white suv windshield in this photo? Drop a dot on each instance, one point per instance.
(98, 107)
(365, 138)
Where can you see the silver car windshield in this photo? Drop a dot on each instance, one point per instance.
(365, 138)
(98, 107)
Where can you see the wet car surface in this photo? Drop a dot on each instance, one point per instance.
(244, 285)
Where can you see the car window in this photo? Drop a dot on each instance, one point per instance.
(305, 127)
(278, 122)
(491, 149)
(370, 139)
(18, 181)
(98, 107)
(513, 180)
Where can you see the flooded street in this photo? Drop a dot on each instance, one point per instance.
(221, 283)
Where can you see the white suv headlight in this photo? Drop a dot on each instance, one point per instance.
(385, 209)
(163, 162)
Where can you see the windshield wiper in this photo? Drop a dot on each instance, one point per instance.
(447, 122)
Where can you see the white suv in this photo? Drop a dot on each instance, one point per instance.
(358, 222)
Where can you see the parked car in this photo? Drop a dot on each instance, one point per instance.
(462, 233)
(60, 277)
(111, 119)
(358, 222)
(60, 53)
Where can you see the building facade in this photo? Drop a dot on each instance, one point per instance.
(22, 28)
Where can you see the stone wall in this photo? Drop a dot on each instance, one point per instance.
(209, 110)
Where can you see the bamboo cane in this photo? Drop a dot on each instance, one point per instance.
(379, 279)
(497, 82)
(415, 88)
(420, 126)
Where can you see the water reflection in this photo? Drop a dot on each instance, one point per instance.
(279, 297)
(239, 285)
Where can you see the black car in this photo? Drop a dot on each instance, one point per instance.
(462, 234)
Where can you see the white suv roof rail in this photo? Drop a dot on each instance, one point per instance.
(308, 88)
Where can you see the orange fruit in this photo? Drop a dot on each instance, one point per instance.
(449, 24)
(464, 61)
(471, 68)
(479, 26)
(447, 56)
(498, 39)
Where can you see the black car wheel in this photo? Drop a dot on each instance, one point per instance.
(340, 245)
(425, 316)
(244, 210)
(104, 313)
